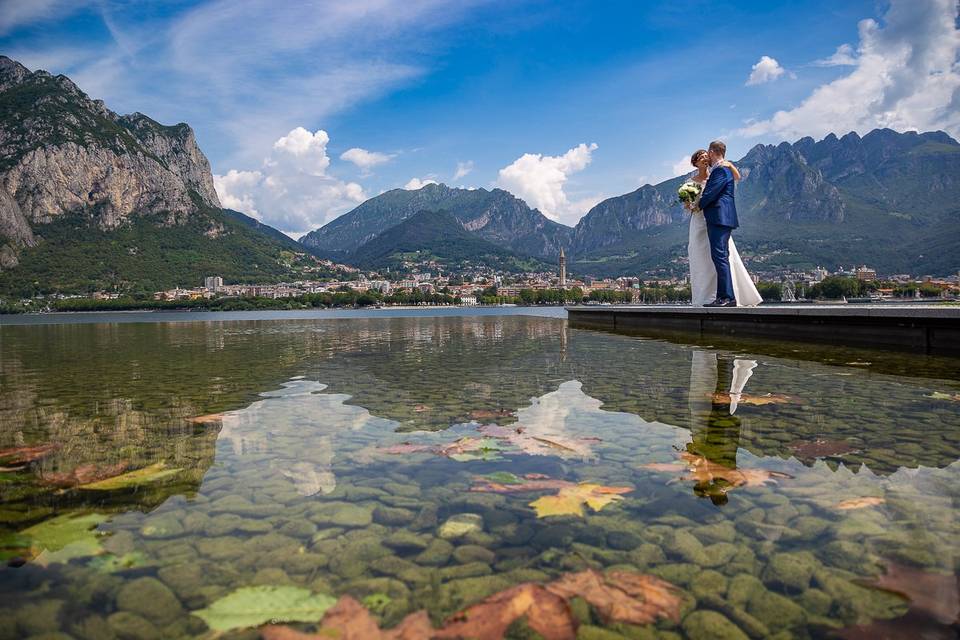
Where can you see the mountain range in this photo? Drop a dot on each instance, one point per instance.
(90, 199)
(887, 199)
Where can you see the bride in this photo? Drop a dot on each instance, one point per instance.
(703, 275)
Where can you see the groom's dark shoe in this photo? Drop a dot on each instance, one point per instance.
(721, 303)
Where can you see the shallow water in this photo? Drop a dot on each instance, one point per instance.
(269, 444)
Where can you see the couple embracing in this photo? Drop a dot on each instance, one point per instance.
(718, 277)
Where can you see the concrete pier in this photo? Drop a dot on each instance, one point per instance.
(933, 329)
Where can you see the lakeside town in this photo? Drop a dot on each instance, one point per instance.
(427, 284)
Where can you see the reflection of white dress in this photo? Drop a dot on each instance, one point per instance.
(703, 275)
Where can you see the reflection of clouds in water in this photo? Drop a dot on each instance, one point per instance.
(296, 426)
(570, 413)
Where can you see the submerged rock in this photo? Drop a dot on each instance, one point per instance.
(405, 541)
(342, 514)
(151, 599)
(791, 570)
(473, 553)
(392, 517)
(437, 553)
(710, 625)
(460, 525)
(129, 626)
(684, 545)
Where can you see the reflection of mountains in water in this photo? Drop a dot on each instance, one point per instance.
(124, 393)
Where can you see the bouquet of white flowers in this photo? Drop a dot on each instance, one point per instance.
(688, 193)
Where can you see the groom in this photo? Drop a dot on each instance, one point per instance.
(720, 213)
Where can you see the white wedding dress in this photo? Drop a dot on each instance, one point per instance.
(703, 275)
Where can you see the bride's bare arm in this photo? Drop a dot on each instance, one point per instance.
(736, 173)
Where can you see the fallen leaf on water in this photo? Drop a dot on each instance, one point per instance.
(466, 449)
(622, 596)
(487, 414)
(405, 447)
(859, 503)
(20, 455)
(84, 474)
(936, 595)
(421, 408)
(153, 473)
(350, 620)
(939, 395)
(65, 537)
(210, 418)
(706, 471)
(746, 398)
(546, 613)
(484, 484)
(618, 596)
(253, 606)
(821, 448)
(668, 467)
(570, 500)
(912, 625)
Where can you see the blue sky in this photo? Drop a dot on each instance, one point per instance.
(563, 103)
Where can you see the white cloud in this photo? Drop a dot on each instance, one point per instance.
(416, 183)
(766, 70)
(844, 56)
(681, 167)
(906, 77)
(463, 168)
(539, 180)
(292, 190)
(16, 13)
(364, 159)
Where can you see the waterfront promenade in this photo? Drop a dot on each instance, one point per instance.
(933, 329)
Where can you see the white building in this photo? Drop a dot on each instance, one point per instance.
(213, 282)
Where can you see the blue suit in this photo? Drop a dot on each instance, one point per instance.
(720, 212)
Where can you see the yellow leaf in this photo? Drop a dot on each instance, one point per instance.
(859, 503)
(570, 500)
(146, 475)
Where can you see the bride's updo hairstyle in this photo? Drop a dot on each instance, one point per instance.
(697, 155)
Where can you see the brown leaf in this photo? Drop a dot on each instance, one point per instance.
(621, 596)
(350, 620)
(705, 471)
(487, 414)
(910, 626)
(421, 408)
(486, 485)
(935, 594)
(19, 455)
(859, 503)
(666, 467)
(84, 474)
(545, 612)
(210, 418)
(404, 448)
(746, 398)
(820, 448)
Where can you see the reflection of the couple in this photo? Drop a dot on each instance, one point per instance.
(714, 427)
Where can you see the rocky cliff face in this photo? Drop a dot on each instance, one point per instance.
(63, 153)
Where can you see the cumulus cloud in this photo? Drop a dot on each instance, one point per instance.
(905, 77)
(766, 70)
(416, 183)
(844, 56)
(681, 167)
(463, 168)
(539, 181)
(364, 159)
(292, 190)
